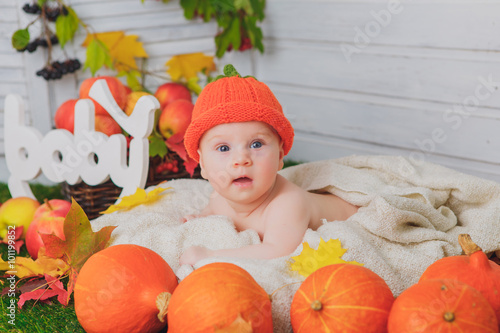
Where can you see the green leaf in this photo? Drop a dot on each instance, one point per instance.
(66, 26)
(230, 36)
(254, 33)
(157, 146)
(189, 8)
(133, 82)
(258, 8)
(97, 56)
(222, 6)
(20, 39)
(244, 5)
(192, 84)
(41, 2)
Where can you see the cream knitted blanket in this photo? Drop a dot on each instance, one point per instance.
(410, 216)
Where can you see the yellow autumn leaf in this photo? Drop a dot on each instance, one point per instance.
(140, 197)
(310, 260)
(24, 267)
(123, 49)
(188, 66)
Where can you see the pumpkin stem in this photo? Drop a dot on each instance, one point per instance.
(449, 316)
(316, 305)
(162, 301)
(467, 244)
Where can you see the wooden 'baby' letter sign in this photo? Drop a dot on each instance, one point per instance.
(87, 155)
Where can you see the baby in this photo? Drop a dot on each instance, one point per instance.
(239, 135)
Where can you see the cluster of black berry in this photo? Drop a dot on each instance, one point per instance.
(32, 8)
(32, 46)
(57, 69)
(51, 13)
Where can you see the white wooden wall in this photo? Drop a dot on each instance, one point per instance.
(402, 93)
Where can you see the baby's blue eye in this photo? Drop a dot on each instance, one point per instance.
(256, 144)
(223, 148)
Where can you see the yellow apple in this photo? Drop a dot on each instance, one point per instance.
(132, 99)
(17, 212)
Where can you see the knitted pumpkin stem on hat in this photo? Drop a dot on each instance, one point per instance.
(230, 71)
(231, 98)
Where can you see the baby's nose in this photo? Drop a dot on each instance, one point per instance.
(242, 158)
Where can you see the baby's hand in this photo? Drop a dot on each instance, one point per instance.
(190, 217)
(194, 254)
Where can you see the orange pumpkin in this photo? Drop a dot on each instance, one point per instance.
(219, 296)
(442, 306)
(341, 298)
(124, 288)
(474, 268)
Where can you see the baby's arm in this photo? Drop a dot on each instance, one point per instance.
(286, 223)
(205, 212)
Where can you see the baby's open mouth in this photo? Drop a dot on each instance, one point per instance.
(242, 180)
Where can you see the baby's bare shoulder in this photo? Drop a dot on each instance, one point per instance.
(289, 197)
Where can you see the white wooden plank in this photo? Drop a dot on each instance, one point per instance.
(146, 20)
(103, 9)
(440, 24)
(309, 147)
(437, 132)
(404, 76)
(13, 88)
(8, 15)
(15, 75)
(11, 60)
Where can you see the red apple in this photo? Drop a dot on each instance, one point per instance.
(171, 91)
(107, 125)
(48, 219)
(116, 87)
(175, 118)
(65, 115)
(65, 119)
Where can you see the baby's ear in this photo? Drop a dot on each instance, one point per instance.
(201, 165)
(282, 155)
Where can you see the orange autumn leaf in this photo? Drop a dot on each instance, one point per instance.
(188, 66)
(123, 49)
(140, 197)
(27, 267)
(80, 243)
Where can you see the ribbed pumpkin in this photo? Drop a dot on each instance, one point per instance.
(216, 296)
(124, 288)
(473, 268)
(442, 306)
(341, 298)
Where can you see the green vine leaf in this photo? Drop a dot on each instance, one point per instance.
(66, 26)
(244, 5)
(157, 146)
(133, 79)
(230, 36)
(189, 8)
(20, 39)
(97, 56)
(41, 2)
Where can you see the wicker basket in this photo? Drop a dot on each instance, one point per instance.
(95, 199)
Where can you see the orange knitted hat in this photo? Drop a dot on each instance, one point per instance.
(232, 99)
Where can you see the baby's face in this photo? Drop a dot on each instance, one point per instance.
(241, 159)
